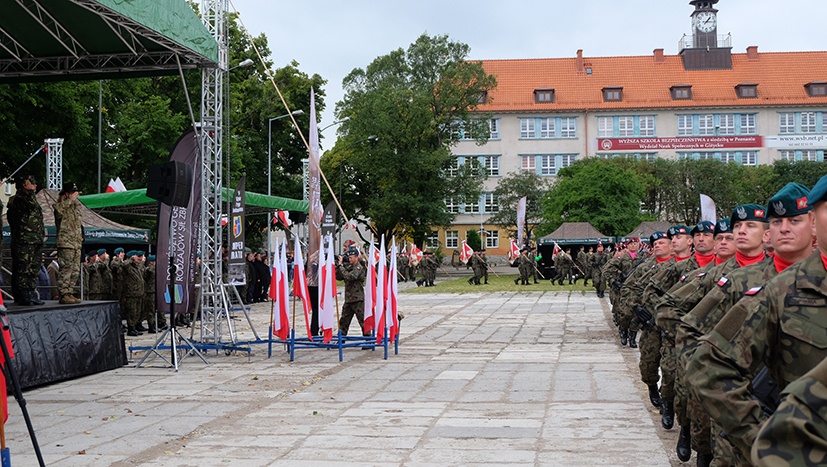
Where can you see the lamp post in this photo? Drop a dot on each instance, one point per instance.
(335, 123)
(370, 138)
(270, 169)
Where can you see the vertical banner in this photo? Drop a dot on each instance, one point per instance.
(521, 221)
(708, 209)
(314, 224)
(237, 263)
(329, 221)
(185, 224)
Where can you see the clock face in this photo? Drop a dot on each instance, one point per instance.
(705, 21)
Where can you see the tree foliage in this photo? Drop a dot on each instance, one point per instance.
(510, 189)
(414, 101)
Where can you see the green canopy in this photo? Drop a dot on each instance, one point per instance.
(137, 203)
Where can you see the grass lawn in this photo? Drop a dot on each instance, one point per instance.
(501, 283)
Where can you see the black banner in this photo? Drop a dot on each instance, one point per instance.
(237, 264)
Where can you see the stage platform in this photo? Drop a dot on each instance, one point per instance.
(55, 342)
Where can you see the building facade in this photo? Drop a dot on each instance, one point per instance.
(703, 103)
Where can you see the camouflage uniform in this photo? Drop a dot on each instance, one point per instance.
(95, 281)
(583, 263)
(134, 291)
(781, 325)
(402, 265)
(106, 280)
(116, 268)
(564, 264)
(477, 267)
(484, 267)
(354, 276)
(524, 267)
(69, 243)
(796, 434)
(26, 224)
(611, 274)
(596, 263)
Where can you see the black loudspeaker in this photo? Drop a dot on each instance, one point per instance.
(170, 183)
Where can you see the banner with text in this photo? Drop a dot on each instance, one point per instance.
(237, 264)
(690, 143)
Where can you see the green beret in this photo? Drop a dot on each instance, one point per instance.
(790, 201)
(723, 226)
(130, 254)
(657, 236)
(102, 251)
(151, 258)
(748, 212)
(248, 250)
(118, 250)
(93, 253)
(679, 229)
(703, 227)
(140, 253)
(819, 191)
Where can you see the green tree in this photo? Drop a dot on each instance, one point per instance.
(594, 191)
(417, 102)
(510, 189)
(472, 237)
(805, 172)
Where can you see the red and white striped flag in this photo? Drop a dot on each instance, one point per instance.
(381, 280)
(513, 251)
(465, 252)
(115, 186)
(391, 317)
(416, 254)
(279, 294)
(300, 289)
(370, 288)
(284, 218)
(327, 292)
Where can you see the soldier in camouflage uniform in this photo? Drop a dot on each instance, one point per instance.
(484, 260)
(353, 273)
(27, 231)
(115, 267)
(105, 273)
(133, 287)
(402, 264)
(477, 267)
(596, 263)
(523, 265)
(796, 434)
(765, 327)
(583, 264)
(617, 272)
(151, 313)
(69, 242)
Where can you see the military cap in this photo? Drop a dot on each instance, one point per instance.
(723, 226)
(748, 212)
(118, 250)
(248, 250)
(633, 240)
(819, 191)
(140, 253)
(657, 236)
(150, 258)
(790, 201)
(102, 251)
(352, 252)
(703, 227)
(130, 253)
(679, 229)
(23, 178)
(69, 187)
(93, 253)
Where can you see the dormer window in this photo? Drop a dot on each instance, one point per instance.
(613, 94)
(681, 92)
(747, 91)
(816, 89)
(544, 96)
(483, 97)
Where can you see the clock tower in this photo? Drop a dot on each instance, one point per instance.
(704, 24)
(706, 51)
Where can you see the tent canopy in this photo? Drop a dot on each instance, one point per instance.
(574, 233)
(97, 229)
(645, 229)
(96, 39)
(137, 203)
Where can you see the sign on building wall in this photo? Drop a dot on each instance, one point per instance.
(680, 144)
(795, 141)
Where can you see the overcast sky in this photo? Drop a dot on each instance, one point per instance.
(332, 38)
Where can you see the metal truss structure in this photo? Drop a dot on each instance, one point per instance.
(54, 163)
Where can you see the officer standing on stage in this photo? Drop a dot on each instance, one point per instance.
(353, 273)
(133, 287)
(27, 231)
(69, 242)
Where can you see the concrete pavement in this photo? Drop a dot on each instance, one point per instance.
(499, 378)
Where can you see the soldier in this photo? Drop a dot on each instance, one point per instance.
(353, 274)
(105, 273)
(618, 272)
(477, 267)
(115, 267)
(582, 263)
(52, 270)
(151, 313)
(770, 326)
(796, 434)
(523, 265)
(429, 267)
(402, 264)
(133, 288)
(596, 263)
(485, 267)
(27, 231)
(69, 242)
(564, 264)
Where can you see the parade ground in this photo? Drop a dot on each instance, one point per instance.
(481, 378)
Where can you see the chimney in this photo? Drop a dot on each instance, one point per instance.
(752, 52)
(579, 64)
(659, 56)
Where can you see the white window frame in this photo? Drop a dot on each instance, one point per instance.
(494, 125)
(809, 155)
(453, 168)
(548, 164)
(647, 125)
(786, 155)
(568, 127)
(605, 127)
(451, 239)
(492, 204)
(808, 122)
(749, 158)
(706, 125)
(748, 125)
(727, 125)
(547, 128)
(685, 126)
(492, 239)
(472, 207)
(492, 165)
(567, 160)
(786, 123)
(626, 126)
(432, 241)
(528, 163)
(452, 206)
(527, 128)
(728, 157)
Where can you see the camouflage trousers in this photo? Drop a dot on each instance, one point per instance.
(649, 356)
(68, 273)
(701, 433)
(349, 309)
(150, 312)
(599, 283)
(668, 367)
(626, 319)
(25, 267)
(133, 307)
(724, 454)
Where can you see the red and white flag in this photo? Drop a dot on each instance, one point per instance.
(350, 225)
(513, 251)
(370, 289)
(327, 291)
(381, 280)
(391, 316)
(416, 254)
(279, 294)
(284, 218)
(115, 186)
(465, 252)
(300, 289)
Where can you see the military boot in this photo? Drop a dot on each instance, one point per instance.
(684, 447)
(517, 281)
(667, 418)
(34, 298)
(471, 281)
(704, 460)
(633, 339)
(624, 337)
(131, 331)
(654, 396)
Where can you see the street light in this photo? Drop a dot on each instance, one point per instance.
(244, 63)
(270, 168)
(335, 123)
(371, 138)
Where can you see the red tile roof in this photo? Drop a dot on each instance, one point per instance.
(780, 76)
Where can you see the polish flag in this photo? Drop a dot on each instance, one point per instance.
(300, 289)
(281, 321)
(465, 252)
(115, 186)
(381, 280)
(416, 254)
(391, 316)
(327, 292)
(284, 218)
(370, 288)
(513, 251)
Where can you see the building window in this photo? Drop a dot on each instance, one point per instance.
(605, 127)
(452, 206)
(808, 122)
(492, 204)
(451, 239)
(547, 166)
(527, 163)
(492, 239)
(748, 124)
(526, 128)
(626, 126)
(492, 165)
(747, 91)
(613, 94)
(644, 156)
(547, 128)
(495, 129)
(483, 97)
(684, 125)
(706, 125)
(786, 123)
(568, 159)
(646, 123)
(809, 155)
(568, 127)
(432, 240)
(544, 96)
(816, 89)
(786, 155)
(728, 157)
(453, 168)
(472, 206)
(727, 126)
(744, 157)
(681, 92)
(749, 158)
